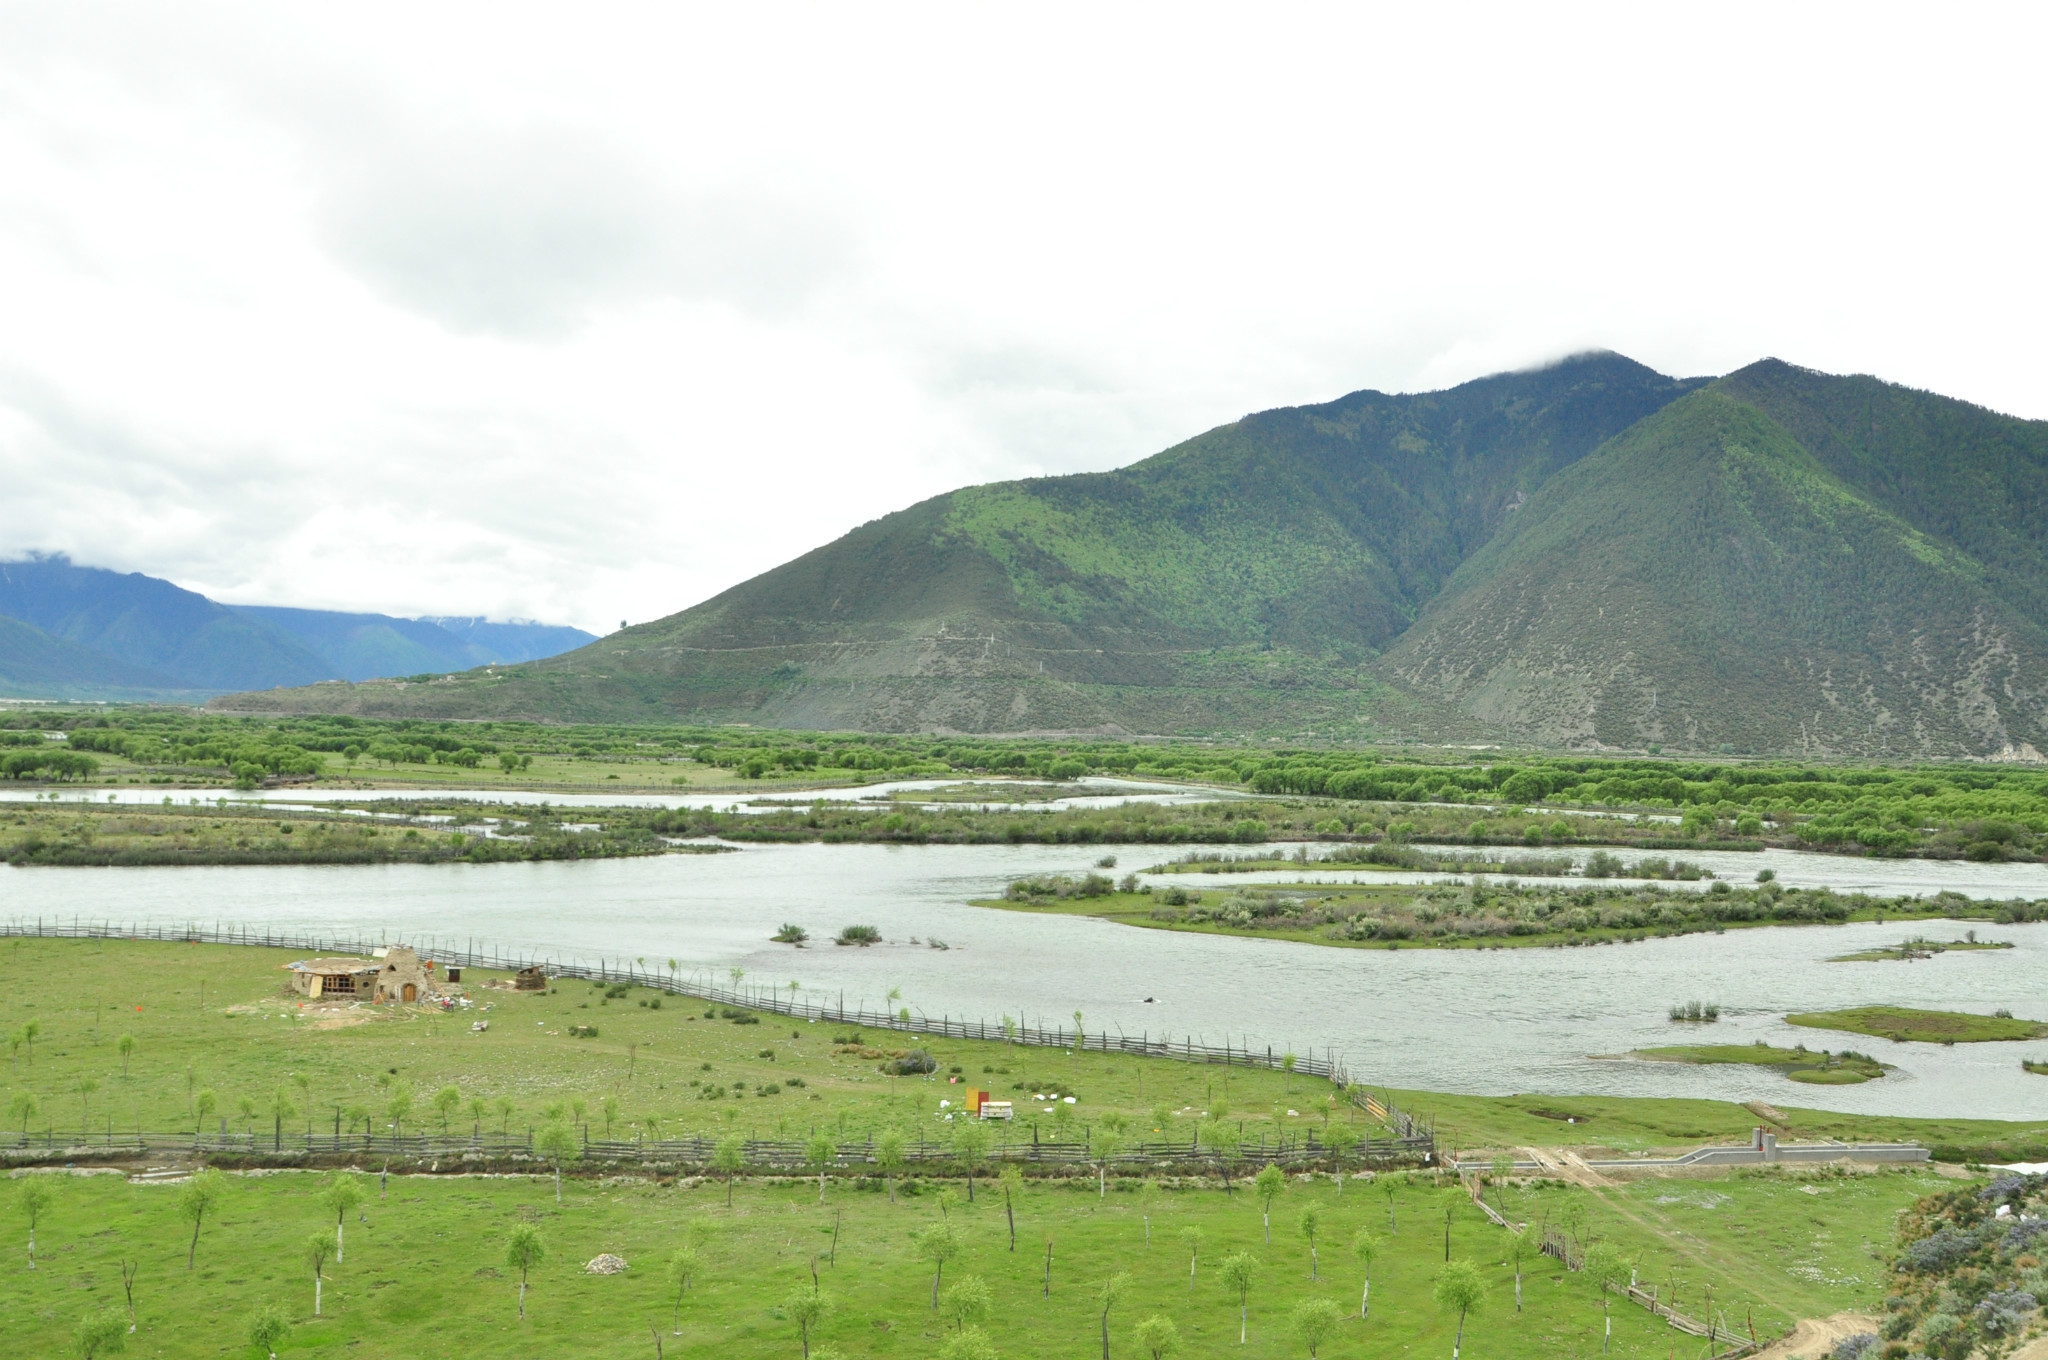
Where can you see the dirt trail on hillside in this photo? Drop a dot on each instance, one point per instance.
(1813, 1338)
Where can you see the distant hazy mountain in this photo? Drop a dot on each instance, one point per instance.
(84, 632)
(364, 646)
(1586, 555)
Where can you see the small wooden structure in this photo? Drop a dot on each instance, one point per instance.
(534, 979)
(344, 978)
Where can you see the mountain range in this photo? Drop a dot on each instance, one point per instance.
(1589, 554)
(72, 632)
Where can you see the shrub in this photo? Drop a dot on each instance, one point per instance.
(914, 1063)
(859, 935)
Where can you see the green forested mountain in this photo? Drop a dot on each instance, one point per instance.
(1584, 555)
(35, 665)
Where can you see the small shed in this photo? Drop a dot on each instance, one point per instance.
(533, 979)
(339, 977)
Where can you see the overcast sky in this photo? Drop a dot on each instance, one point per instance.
(586, 313)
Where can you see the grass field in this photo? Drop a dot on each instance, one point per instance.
(1926, 1027)
(425, 1272)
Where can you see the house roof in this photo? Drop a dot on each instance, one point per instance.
(331, 966)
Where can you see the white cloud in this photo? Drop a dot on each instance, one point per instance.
(463, 309)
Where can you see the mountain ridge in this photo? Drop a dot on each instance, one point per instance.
(1586, 554)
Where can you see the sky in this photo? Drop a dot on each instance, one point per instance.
(585, 313)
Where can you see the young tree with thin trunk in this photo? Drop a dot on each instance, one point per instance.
(1269, 1183)
(1604, 1270)
(729, 1157)
(807, 1308)
(398, 1108)
(970, 1144)
(557, 1143)
(682, 1268)
(447, 1101)
(478, 1108)
(1518, 1251)
(125, 1045)
(318, 1248)
(1237, 1271)
(268, 1328)
(611, 1112)
(1340, 1139)
(1502, 1168)
(889, 1158)
(87, 1087)
(129, 1269)
(1311, 1225)
(820, 1153)
(342, 1193)
(1460, 1289)
(1109, 1141)
(200, 1197)
(1388, 1186)
(1109, 1294)
(1157, 1336)
(99, 1333)
(967, 1302)
(1365, 1248)
(35, 1200)
(504, 1108)
(203, 1106)
(1012, 1181)
(23, 1106)
(523, 1251)
(1314, 1320)
(1191, 1238)
(938, 1243)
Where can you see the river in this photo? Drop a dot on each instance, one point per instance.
(1491, 1022)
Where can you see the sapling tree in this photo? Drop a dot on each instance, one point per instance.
(1460, 1289)
(99, 1333)
(1518, 1251)
(807, 1308)
(1148, 1200)
(1158, 1337)
(318, 1249)
(1502, 1168)
(820, 1153)
(889, 1158)
(268, 1327)
(967, 1302)
(1340, 1139)
(557, 1143)
(1269, 1183)
(125, 1046)
(610, 1106)
(1365, 1249)
(35, 1199)
(938, 1243)
(970, 1143)
(1311, 1225)
(200, 1197)
(1191, 1238)
(682, 1269)
(447, 1101)
(524, 1250)
(398, 1108)
(1109, 1141)
(23, 1106)
(203, 1106)
(1389, 1185)
(1314, 1320)
(971, 1344)
(504, 1108)
(1604, 1270)
(478, 1108)
(1109, 1294)
(342, 1193)
(729, 1156)
(129, 1269)
(1238, 1271)
(1012, 1181)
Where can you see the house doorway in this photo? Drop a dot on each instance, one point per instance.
(411, 993)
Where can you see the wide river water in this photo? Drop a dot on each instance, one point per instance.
(1494, 1021)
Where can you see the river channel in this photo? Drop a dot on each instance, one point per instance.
(1490, 1022)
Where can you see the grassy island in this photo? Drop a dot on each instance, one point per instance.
(1484, 912)
(1918, 947)
(1906, 1025)
(1799, 1064)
